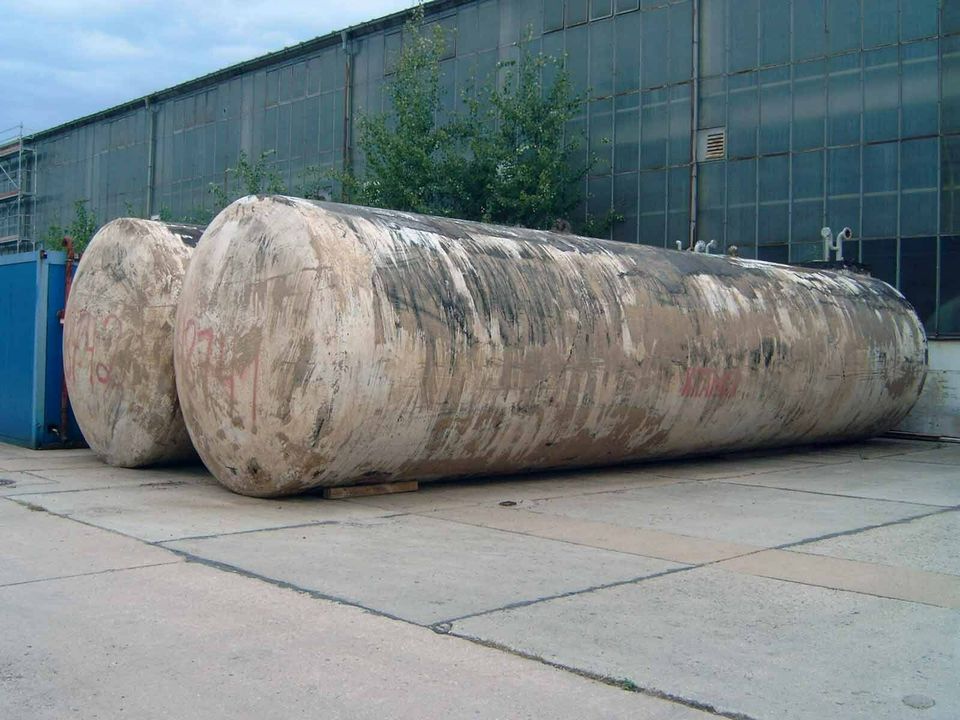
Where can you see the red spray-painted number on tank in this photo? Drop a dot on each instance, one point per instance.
(83, 343)
(710, 383)
(214, 358)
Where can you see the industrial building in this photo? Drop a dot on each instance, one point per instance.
(752, 122)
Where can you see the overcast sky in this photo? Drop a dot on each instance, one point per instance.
(62, 59)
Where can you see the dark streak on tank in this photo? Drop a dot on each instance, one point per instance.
(391, 346)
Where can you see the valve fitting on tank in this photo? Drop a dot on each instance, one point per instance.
(836, 245)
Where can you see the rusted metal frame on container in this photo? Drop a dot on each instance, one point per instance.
(61, 314)
(694, 123)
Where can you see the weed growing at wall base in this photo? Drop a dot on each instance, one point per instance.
(247, 178)
(81, 229)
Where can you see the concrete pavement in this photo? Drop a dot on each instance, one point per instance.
(811, 583)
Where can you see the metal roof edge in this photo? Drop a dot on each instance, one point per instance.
(271, 58)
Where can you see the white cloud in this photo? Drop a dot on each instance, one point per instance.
(98, 45)
(86, 8)
(74, 57)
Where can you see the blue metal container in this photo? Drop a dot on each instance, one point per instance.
(31, 351)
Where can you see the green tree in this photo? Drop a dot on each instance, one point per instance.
(507, 156)
(413, 161)
(80, 229)
(525, 168)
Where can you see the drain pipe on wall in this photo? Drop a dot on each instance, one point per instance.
(347, 101)
(694, 124)
(151, 152)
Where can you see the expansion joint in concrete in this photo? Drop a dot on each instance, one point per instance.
(623, 683)
(87, 574)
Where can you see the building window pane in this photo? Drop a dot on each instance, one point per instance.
(918, 182)
(843, 188)
(809, 25)
(628, 52)
(950, 193)
(391, 52)
(679, 146)
(805, 252)
(552, 17)
(743, 116)
(918, 277)
(713, 40)
(601, 134)
(880, 168)
(576, 59)
(844, 100)
(843, 25)
(627, 146)
(601, 58)
(807, 215)
(599, 196)
(879, 22)
(625, 203)
(775, 110)
(576, 12)
(774, 253)
(681, 42)
(743, 35)
(774, 32)
(741, 202)
(713, 102)
(654, 128)
(655, 48)
(951, 83)
(920, 89)
(809, 105)
(600, 8)
(653, 206)
(880, 257)
(711, 204)
(678, 207)
(774, 193)
(918, 18)
(950, 17)
(949, 316)
(881, 95)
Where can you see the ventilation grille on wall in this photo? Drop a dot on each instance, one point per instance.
(712, 144)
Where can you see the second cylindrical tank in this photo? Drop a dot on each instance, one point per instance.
(118, 341)
(321, 344)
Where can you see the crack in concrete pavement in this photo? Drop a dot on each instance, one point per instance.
(854, 531)
(622, 683)
(733, 481)
(87, 574)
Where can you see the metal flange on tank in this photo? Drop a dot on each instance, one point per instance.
(118, 341)
(321, 345)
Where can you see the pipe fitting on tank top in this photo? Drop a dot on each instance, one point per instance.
(834, 244)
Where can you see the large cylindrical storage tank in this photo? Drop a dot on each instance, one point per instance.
(118, 341)
(320, 344)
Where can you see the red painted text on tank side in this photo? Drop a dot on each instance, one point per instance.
(711, 383)
(216, 365)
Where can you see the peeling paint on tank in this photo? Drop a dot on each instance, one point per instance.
(359, 345)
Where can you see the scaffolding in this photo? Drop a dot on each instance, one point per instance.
(17, 173)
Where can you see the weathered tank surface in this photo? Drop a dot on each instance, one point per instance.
(118, 341)
(320, 345)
